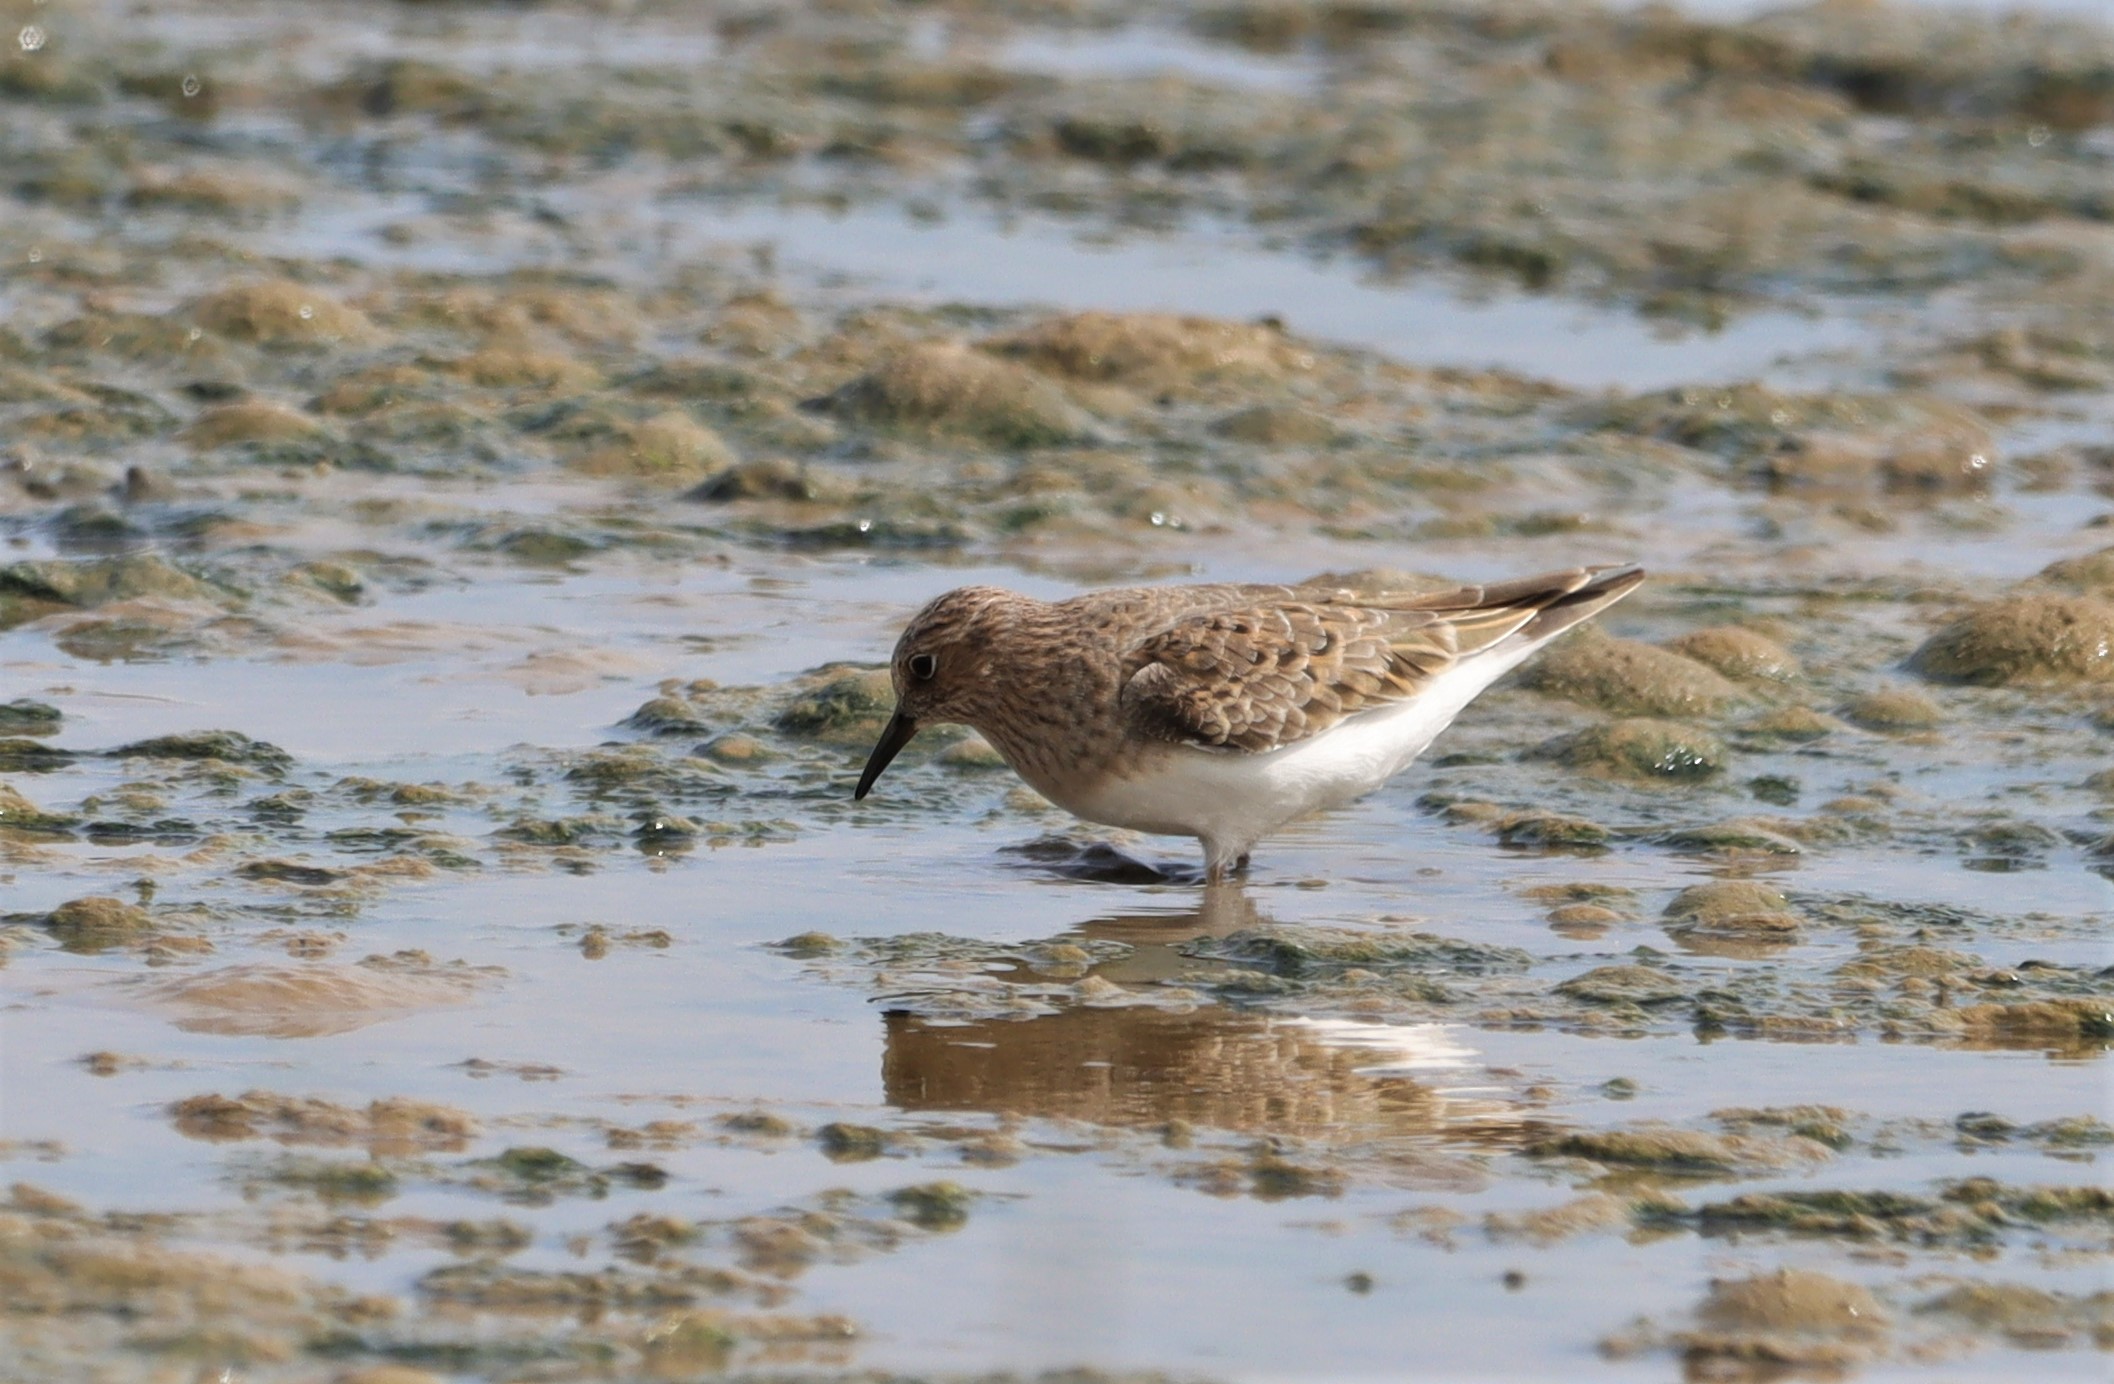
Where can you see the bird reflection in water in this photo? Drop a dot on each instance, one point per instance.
(1215, 1066)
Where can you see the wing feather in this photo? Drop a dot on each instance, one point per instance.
(1273, 666)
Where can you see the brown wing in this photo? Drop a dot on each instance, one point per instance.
(1258, 676)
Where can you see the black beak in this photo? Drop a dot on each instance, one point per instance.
(893, 738)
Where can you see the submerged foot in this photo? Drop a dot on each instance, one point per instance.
(1097, 861)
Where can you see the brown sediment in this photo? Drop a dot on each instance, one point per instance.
(1153, 351)
(278, 312)
(497, 367)
(1740, 909)
(1793, 723)
(1968, 1213)
(89, 582)
(1894, 709)
(98, 1288)
(18, 813)
(1624, 985)
(2032, 1022)
(1669, 1149)
(386, 1127)
(278, 1001)
(252, 422)
(1792, 1319)
(952, 388)
(229, 481)
(2092, 574)
(1549, 1224)
(1550, 831)
(669, 447)
(2029, 1317)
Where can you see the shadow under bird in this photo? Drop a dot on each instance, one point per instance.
(1220, 712)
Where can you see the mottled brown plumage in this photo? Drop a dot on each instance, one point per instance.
(1114, 704)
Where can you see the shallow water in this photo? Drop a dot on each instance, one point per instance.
(1423, 323)
(562, 489)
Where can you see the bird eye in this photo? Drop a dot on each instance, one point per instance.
(923, 666)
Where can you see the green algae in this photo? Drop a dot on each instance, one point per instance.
(1735, 837)
(1628, 678)
(566, 831)
(116, 1291)
(1673, 1150)
(289, 872)
(760, 1123)
(258, 423)
(1153, 352)
(1624, 986)
(23, 716)
(2029, 1317)
(2031, 1022)
(852, 1143)
(335, 1181)
(98, 922)
(1551, 831)
(2023, 640)
(1300, 953)
(2092, 574)
(1819, 441)
(1645, 750)
(839, 705)
(536, 1175)
(1738, 653)
(1824, 1124)
(91, 582)
(934, 1205)
(668, 448)
(279, 312)
(391, 1126)
(1967, 1213)
(1732, 908)
(950, 388)
(223, 746)
(18, 813)
(1269, 425)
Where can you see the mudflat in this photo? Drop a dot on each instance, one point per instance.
(462, 469)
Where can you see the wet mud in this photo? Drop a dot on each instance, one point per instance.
(462, 468)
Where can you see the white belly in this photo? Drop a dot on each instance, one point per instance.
(1230, 800)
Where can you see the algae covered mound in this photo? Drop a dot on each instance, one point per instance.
(461, 470)
(949, 387)
(2024, 639)
(1622, 676)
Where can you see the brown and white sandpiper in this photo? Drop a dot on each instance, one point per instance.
(1219, 712)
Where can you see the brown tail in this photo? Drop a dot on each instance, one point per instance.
(1530, 610)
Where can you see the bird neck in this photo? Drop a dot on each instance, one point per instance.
(1047, 694)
